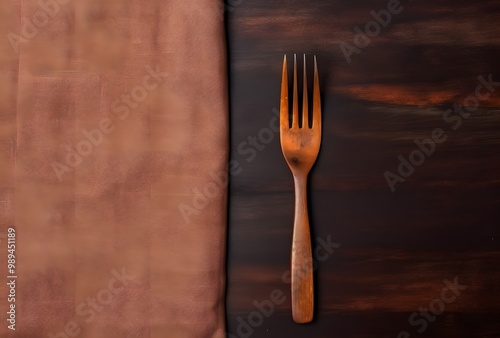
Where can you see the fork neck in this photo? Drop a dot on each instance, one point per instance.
(300, 182)
(299, 176)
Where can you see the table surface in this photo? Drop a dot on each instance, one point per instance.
(393, 251)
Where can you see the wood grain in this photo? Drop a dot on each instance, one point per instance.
(396, 248)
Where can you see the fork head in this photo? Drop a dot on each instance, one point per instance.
(300, 141)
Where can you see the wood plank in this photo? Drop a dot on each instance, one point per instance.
(396, 248)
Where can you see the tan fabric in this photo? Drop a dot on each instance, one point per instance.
(114, 144)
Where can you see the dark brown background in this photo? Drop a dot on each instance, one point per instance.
(396, 248)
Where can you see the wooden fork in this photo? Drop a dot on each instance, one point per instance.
(300, 144)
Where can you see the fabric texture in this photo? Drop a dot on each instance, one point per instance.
(113, 169)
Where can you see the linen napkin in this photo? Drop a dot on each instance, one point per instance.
(114, 146)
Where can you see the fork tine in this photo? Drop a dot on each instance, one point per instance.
(295, 108)
(316, 99)
(305, 114)
(284, 119)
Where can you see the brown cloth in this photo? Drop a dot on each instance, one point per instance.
(114, 146)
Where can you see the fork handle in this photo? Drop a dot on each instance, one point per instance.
(301, 265)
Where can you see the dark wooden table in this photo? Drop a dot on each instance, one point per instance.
(387, 258)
